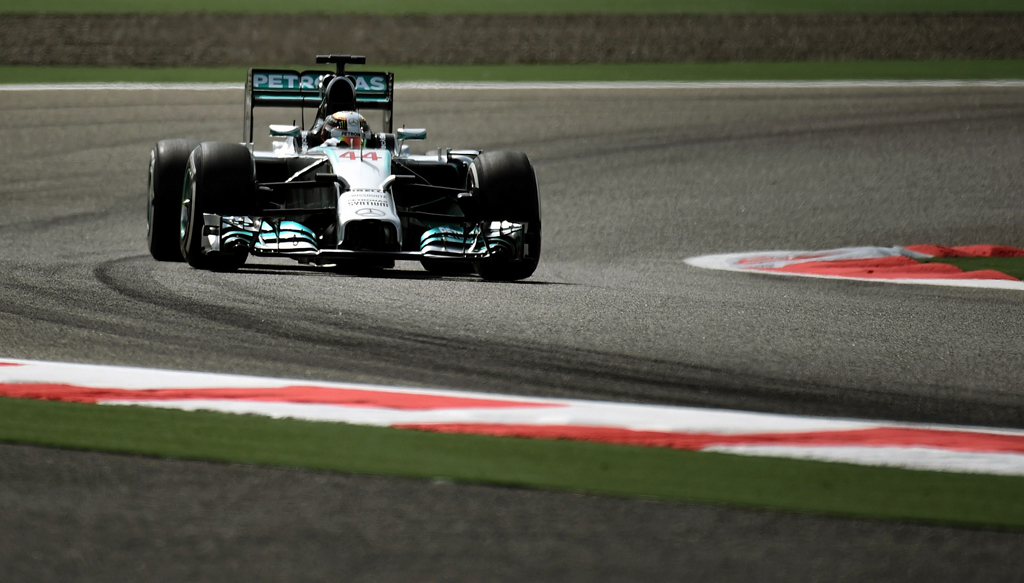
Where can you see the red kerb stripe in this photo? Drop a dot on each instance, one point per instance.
(10, 364)
(898, 267)
(876, 437)
(293, 394)
(968, 251)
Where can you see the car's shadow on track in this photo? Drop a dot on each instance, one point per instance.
(389, 274)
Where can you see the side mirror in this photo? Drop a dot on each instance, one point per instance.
(411, 134)
(284, 131)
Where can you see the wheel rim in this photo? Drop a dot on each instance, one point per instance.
(152, 200)
(187, 196)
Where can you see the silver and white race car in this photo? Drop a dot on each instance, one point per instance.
(323, 201)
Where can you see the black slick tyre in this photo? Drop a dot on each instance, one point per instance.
(504, 188)
(220, 179)
(163, 209)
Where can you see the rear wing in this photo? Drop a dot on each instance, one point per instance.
(285, 88)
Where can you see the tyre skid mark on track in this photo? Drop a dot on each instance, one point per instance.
(866, 442)
(402, 356)
(355, 337)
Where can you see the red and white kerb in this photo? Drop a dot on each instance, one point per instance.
(917, 446)
(890, 264)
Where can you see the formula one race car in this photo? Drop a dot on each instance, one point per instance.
(338, 194)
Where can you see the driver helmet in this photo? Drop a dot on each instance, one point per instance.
(348, 127)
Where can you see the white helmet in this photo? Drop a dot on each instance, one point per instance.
(348, 127)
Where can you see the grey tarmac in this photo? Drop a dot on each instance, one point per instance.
(633, 182)
(80, 516)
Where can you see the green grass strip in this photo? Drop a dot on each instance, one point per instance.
(1012, 266)
(666, 474)
(803, 71)
(508, 6)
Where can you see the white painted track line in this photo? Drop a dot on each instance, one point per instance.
(542, 85)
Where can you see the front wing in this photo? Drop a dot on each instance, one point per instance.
(284, 238)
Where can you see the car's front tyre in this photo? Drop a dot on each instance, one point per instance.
(221, 179)
(504, 188)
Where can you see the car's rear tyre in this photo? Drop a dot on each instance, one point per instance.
(504, 188)
(220, 179)
(163, 209)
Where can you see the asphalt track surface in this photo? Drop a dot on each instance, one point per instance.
(633, 182)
